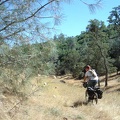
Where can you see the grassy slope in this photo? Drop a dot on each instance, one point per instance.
(55, 100)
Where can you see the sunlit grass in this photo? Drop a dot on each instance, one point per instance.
(54, 100)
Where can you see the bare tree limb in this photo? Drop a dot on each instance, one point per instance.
(93, 6)
(12, 34)
(3, 2)
(28, 16)
(98, 2)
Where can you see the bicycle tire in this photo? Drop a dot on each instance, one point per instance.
(95, 98)
(88, 100)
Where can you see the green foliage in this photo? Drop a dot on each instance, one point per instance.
(114, 18)
(22, 24)
(90, 47)
(21, 57)
(114, 28)
(21, 62)
(115, 53)
(68, 56)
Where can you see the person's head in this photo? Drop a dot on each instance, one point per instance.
(87, 67)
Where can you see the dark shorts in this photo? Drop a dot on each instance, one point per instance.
(92, 83)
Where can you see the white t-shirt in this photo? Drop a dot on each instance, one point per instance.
(90, 75)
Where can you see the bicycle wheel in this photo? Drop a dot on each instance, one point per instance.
(95, 100)
(91, 99)
(87, 97)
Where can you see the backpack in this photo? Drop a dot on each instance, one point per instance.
(93, 73)
(99, 92)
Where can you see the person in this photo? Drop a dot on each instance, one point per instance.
(90, 77)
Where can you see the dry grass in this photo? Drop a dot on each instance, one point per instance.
(54, 99)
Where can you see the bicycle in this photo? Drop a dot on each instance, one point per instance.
(91, 95)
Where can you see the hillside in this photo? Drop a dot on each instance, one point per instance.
(61, 98)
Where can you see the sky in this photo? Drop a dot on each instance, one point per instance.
(77, 16)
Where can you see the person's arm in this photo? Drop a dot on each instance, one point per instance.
(85, 79)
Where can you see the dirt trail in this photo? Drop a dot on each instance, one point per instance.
(62, 98)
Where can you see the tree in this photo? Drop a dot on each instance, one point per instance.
(114, 19)
(24, 23)
(26, 19)
(68, 56)
(115, 53)
(29, 19)
(114, 30)
(98, 39)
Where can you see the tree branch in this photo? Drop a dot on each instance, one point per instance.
(28, 16)
(12, 34)
(93, 6)
(3, 2)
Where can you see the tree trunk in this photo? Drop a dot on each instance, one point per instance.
(106, 74)
(105, 64)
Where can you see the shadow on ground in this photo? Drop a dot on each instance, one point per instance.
(78, 103)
